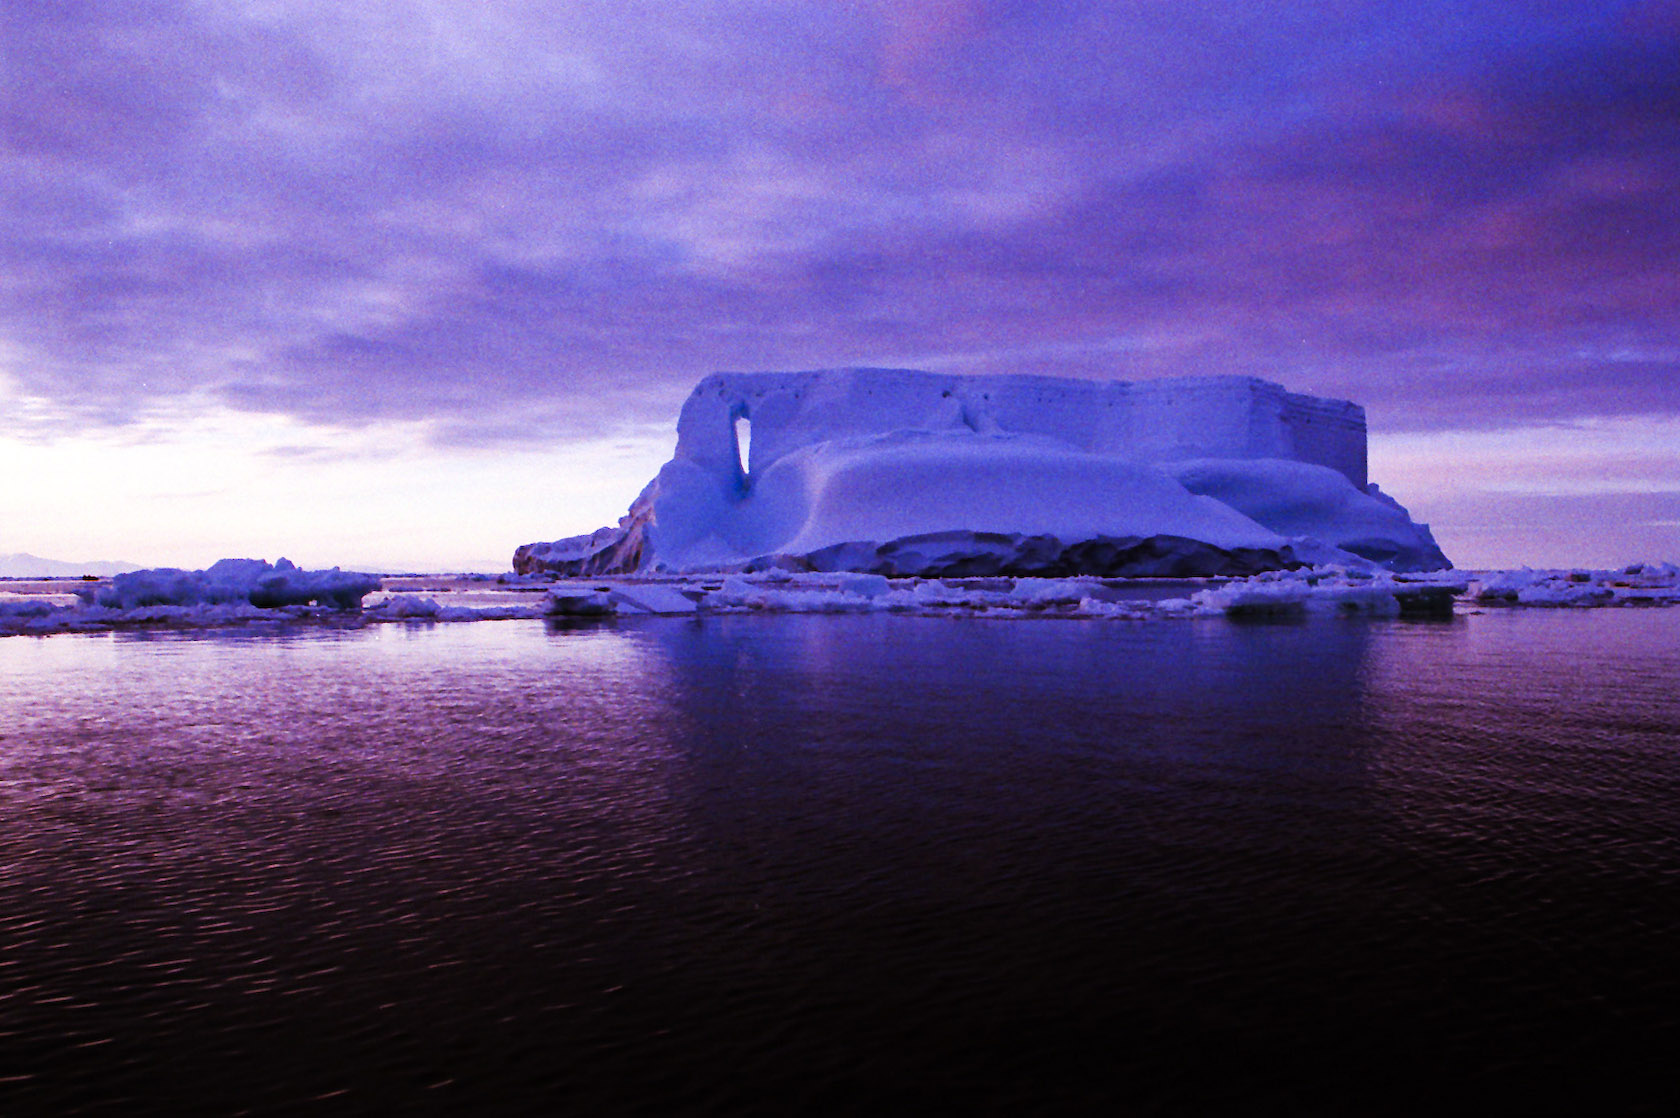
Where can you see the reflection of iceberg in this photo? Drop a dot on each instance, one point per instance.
(914, 473)
(1133, 694)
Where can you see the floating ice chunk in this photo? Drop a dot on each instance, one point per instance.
(1638, 584)
(865, 585)
(252, 581)
(1504, 586)
(1096, 607)
(652, 597)
(1565, 594)
(1254, 596)
(1036, 593)
(789, 596)
(596, 602)
(1333, 590)
(413, 607)
(408, 606)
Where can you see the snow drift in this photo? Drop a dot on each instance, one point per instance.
(903, 473)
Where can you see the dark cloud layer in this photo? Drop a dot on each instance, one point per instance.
(528, 220)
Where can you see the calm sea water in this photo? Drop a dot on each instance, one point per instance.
(774, 864)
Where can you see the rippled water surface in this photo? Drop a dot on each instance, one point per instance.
(817, 863)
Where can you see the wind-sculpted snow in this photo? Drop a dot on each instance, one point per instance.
(1299, 499)
(904, 473)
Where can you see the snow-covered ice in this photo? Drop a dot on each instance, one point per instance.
(1305, 501)
(1638, 584)
(229, 592)
(906, 473)
(1317, 590)
(257, 582)
(1323, 590)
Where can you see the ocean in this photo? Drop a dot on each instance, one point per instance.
(773, 864)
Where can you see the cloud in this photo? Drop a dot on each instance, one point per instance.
(520, 222)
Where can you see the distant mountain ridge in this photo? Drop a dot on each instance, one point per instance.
(23, 565)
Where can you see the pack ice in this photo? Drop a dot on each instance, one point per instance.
(899, 472)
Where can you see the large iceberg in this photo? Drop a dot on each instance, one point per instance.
(899, 472)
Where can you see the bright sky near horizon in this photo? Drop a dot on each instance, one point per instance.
(407, 283)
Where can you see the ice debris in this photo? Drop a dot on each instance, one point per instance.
(1324, 590)
(413, 607)
(1335, 590)
(1319, 590)
(1638, 584)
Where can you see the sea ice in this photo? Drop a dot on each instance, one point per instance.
(1638, 584)
(1335, 589)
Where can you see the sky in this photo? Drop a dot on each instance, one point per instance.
(406, 283)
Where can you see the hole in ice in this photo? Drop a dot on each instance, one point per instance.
(743, 441)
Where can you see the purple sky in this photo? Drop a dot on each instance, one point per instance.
(477, 234)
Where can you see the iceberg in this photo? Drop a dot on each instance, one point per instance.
(905, 473)
(1303, 500)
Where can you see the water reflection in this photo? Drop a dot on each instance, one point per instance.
(817, 862)
(1185, 693)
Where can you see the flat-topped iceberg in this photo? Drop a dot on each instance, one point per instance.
(903, 473)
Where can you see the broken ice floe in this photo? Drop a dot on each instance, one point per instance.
(1328, 590)
(1639, 584)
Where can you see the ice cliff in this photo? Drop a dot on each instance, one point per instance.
(900, 472)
